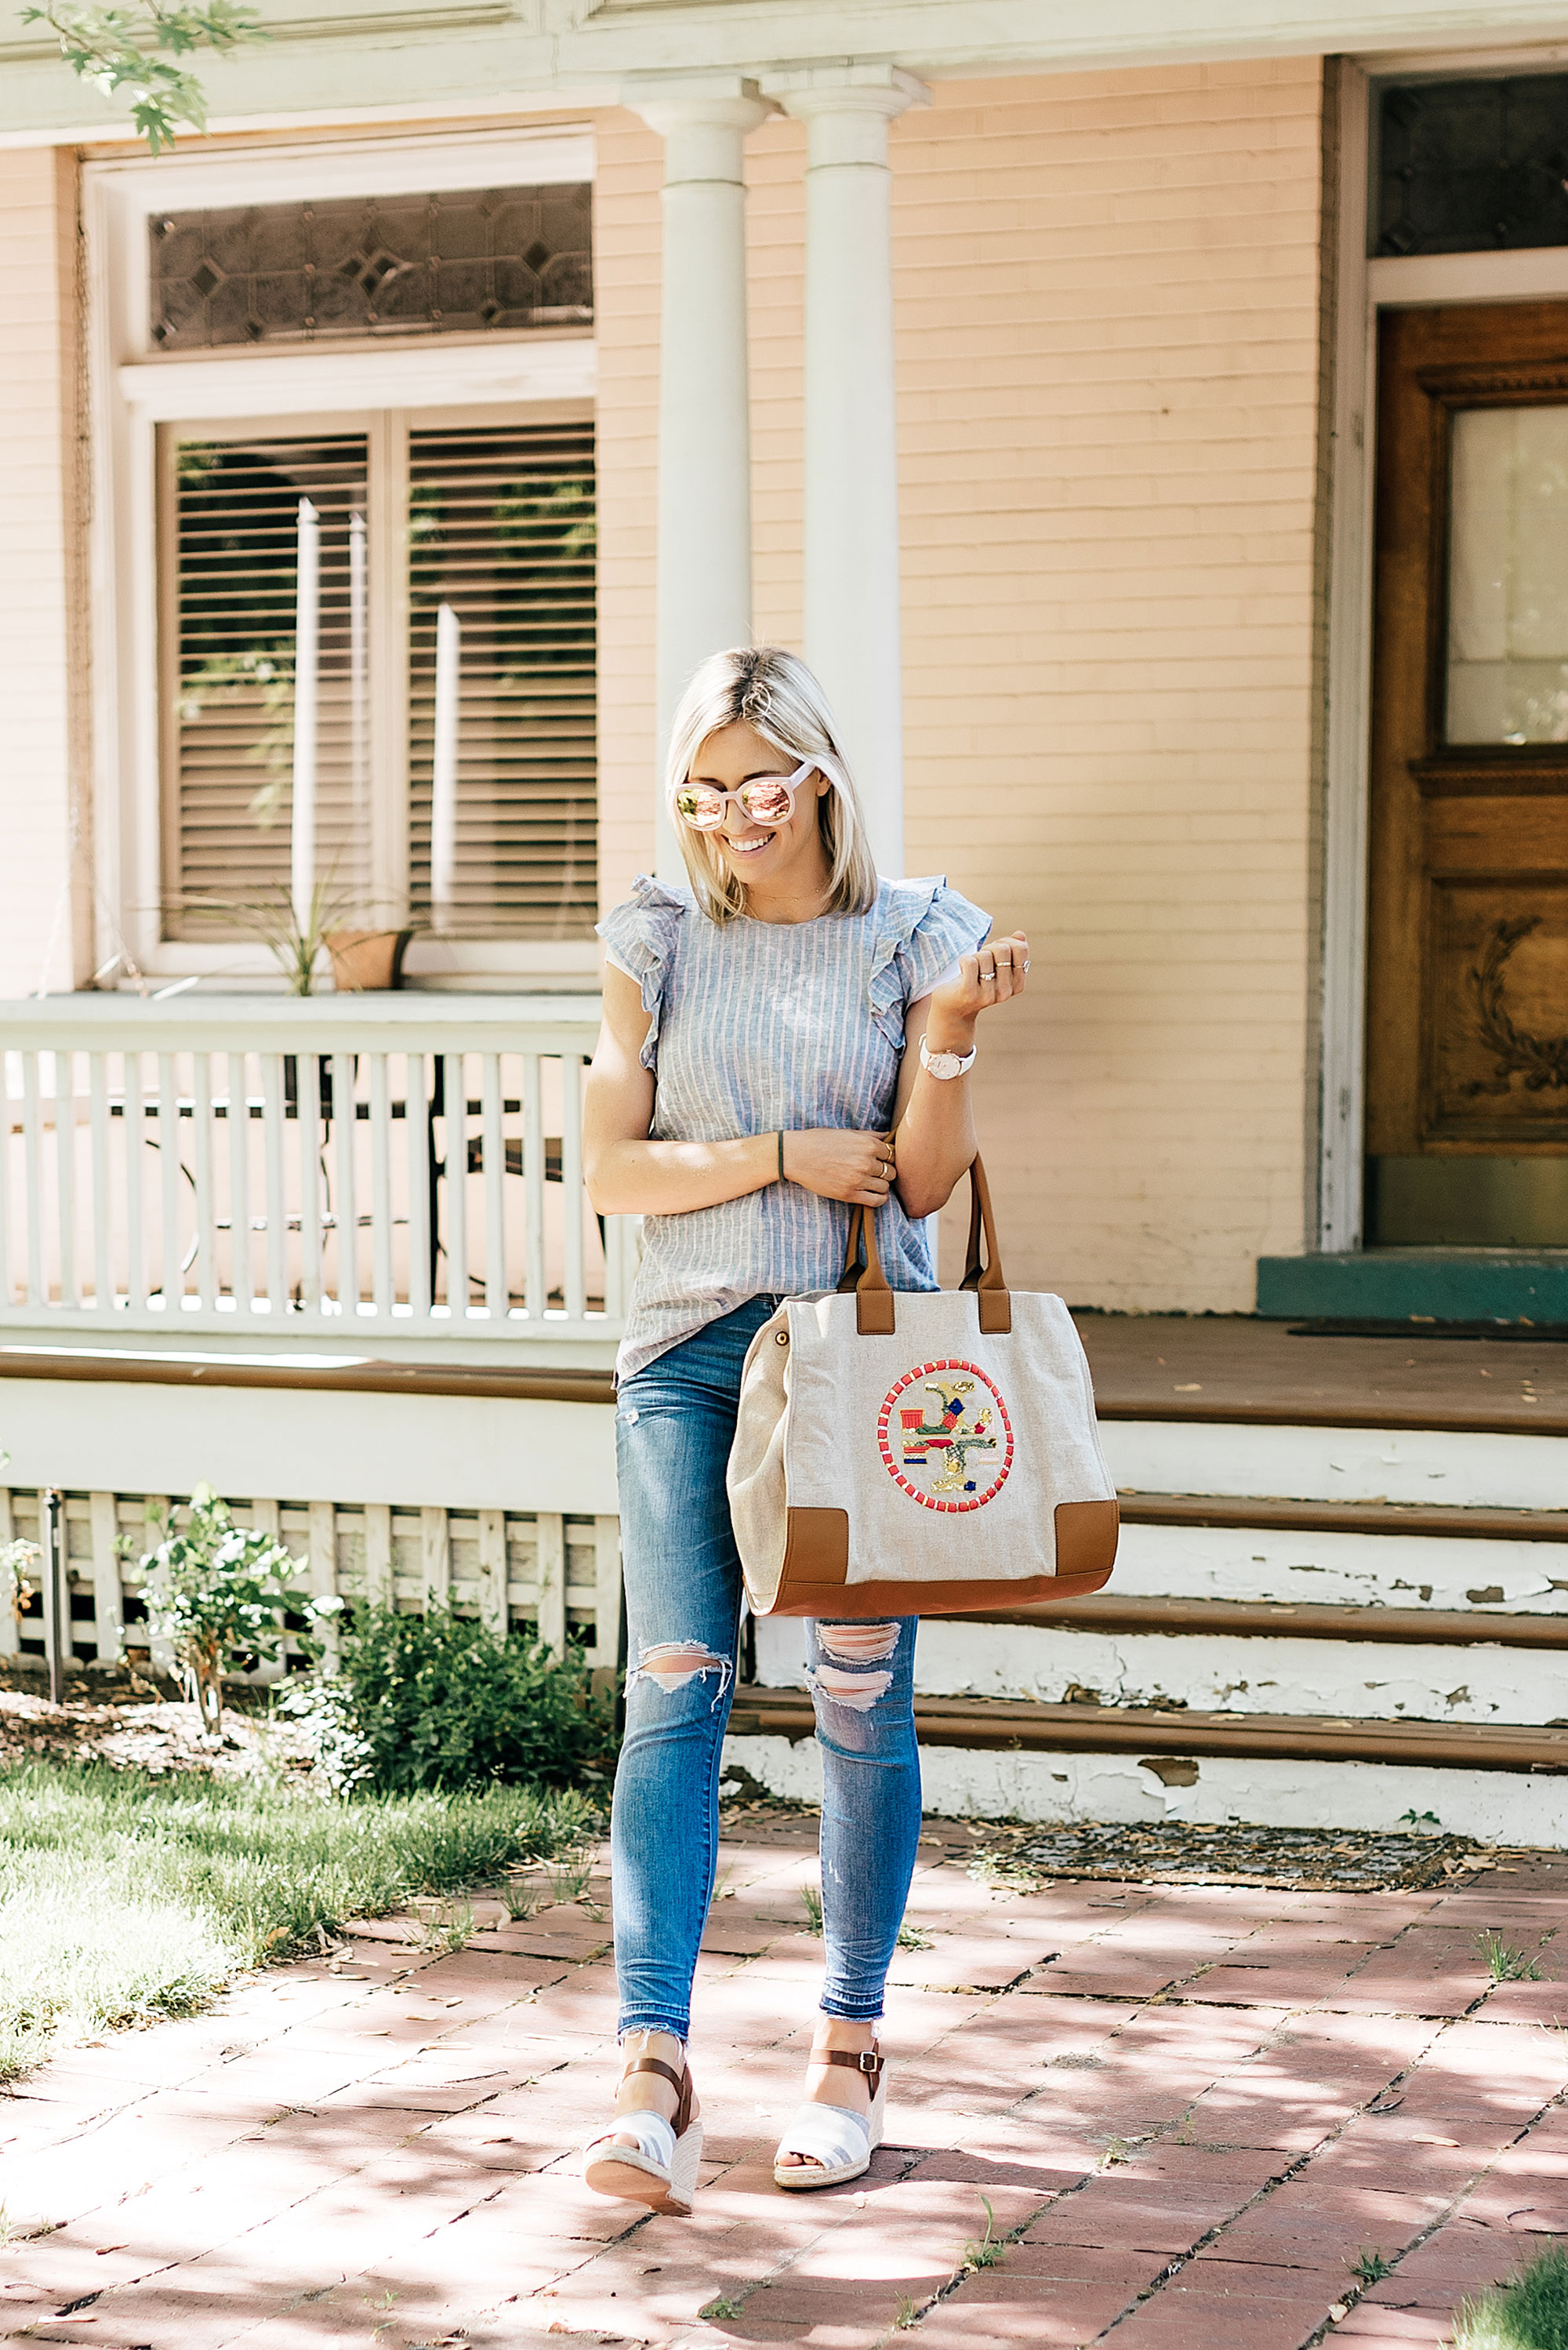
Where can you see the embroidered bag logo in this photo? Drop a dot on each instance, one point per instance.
(945, 1437)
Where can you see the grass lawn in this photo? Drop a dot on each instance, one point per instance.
(1529, 2313)
(126, 1897)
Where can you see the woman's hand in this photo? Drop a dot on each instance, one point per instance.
(989, 977)
(840, 1165)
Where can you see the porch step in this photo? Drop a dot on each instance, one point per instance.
(1458, 1627)
(1268, 1515)
(989, 1723)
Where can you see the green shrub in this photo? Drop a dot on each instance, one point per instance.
(224, 1596)
(439, 1701)
(1529, 2313)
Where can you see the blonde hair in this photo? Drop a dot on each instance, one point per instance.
(775, 694)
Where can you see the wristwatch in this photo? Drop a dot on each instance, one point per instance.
(947, 1064)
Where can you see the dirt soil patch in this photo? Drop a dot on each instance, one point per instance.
(150, 1733)
(1179, 1851)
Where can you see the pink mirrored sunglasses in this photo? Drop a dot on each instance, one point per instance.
(767, 800)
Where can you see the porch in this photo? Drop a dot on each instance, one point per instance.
(335, 1259)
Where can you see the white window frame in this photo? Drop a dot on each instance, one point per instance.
(1363, 288)
(545, 376)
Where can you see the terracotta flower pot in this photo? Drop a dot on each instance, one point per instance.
(365, 959)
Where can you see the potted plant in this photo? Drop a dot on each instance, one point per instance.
(365, 958)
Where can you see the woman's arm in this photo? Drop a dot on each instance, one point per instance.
(934, 1117)
(628, 1175)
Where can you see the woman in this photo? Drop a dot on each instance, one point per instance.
(788, 1036)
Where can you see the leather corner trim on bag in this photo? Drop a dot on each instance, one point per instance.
(816, 1548)
(1086, 1535)
(849, 1602)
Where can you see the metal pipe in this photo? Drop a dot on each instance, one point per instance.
(56, 1593)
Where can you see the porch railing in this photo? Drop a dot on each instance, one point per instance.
(404, 1167)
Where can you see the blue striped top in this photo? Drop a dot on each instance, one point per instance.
(756, 1026)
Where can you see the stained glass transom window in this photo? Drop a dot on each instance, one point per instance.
(457, 262)
(1472, 166)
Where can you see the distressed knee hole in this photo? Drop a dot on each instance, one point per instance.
(859, 1691)
(673, 1664)
(857, 1644)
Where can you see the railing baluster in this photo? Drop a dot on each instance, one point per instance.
(102, 1268)
(495, 1132)
(135, 1238)
(169, 1183)
(571, 1182)
(240, 1187)
(347, 1214)
(381, 1187)
(307, 1107)
(177, 1229)
(64, 1173)
(533, 1187)
(201, 1115)
(417, 1112)
(33, 1181)
(456, 1096)
(271, 1147)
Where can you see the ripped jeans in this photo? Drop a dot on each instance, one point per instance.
(673, 1429)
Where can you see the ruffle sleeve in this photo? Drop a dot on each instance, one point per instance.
(924, 928)
(641, 936)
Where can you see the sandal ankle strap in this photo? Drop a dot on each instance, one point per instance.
(680, 2082)
(866, 2060)
(654, 2065)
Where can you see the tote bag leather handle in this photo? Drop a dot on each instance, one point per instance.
(874, 1299)
(990, 1286)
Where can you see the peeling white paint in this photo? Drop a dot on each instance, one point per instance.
(1464, 1469)
(1338, 1570)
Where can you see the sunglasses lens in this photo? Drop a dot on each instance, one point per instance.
(766, 801)
(703, 810)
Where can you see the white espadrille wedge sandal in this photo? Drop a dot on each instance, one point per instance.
(661, 2169)
(838, 2144)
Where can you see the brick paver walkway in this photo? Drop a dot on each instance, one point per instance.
(1189, 2111)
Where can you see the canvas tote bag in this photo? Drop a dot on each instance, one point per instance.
(919, 1452)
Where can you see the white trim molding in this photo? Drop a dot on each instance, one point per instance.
(431, 374)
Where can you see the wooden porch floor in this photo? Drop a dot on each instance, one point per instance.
(1232, 1366)
(1146, 1367)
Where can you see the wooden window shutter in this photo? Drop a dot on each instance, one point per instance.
(501, 532)
(229, 544)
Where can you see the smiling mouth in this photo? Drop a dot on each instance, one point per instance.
(748, 847)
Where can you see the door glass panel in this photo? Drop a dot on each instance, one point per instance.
(1508, 577)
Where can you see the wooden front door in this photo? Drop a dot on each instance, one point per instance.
(1468, 976)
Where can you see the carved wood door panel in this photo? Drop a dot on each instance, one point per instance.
(1468, 973)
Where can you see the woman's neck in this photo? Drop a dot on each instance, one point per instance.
(799, 894)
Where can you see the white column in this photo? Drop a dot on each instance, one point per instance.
(705, 560)
(851, 506)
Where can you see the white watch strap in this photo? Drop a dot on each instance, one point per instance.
(961, 1063)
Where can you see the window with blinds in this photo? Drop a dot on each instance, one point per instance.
(230, 681)
(454, 582)
(503, 819)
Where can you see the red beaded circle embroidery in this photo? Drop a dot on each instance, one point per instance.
(948, 1446)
